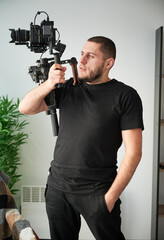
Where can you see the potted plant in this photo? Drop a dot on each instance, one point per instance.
(11, 138)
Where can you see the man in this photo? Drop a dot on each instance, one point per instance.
(95, 117)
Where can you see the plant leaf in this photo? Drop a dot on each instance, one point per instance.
(12, 136)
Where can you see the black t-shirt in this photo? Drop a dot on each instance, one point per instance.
(91, 120)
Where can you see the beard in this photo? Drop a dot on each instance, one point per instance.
(93, 75)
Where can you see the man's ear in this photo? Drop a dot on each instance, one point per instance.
(109, 63)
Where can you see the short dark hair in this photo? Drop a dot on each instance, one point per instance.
(107, 47)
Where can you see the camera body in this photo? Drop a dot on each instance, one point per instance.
(39, 38)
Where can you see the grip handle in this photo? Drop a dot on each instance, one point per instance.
(57, 60)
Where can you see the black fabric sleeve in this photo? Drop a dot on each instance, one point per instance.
(132, 111)
(54, 97)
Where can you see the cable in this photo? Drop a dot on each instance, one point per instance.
(43, 53)
(38, 13)
(58, 36)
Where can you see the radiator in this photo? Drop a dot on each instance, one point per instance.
(33, 209)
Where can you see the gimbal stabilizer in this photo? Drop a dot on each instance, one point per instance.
(39, 39)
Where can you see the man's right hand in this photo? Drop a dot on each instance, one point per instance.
(56, 75)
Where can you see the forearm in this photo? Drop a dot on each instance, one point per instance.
(33, 102)
(125, 173)
(133, 151)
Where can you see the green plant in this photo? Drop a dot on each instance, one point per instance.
(11, 138)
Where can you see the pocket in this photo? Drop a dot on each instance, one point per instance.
(45, 192)
(105, 205)
(116, 208)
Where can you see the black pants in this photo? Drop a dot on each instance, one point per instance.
(64, 209)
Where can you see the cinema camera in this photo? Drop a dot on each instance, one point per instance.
(39, 39)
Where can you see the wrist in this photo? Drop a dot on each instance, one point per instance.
(48, 86)
(109, 198)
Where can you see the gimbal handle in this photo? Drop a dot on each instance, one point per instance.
(52, 104)
(57, 60)
(51, 97)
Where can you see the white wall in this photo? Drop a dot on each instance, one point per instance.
(131, 24)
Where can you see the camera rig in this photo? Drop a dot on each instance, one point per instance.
(39, 39)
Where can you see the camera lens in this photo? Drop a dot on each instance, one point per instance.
(19, 36)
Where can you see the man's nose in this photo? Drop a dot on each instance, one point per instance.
(83, 59)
